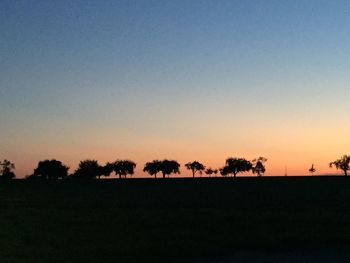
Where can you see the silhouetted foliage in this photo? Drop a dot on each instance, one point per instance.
(105, 170)
(258, 166)
(235, 165)
(224, 171)
(50, 169)
(6, 170)
(169, 166)
(88, 169)
(312, 169)
(195, 167)
(209, 172)
(123, 167)
(153, 167)
(342, 164)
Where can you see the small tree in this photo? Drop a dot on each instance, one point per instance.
(88, 169)
(224, 171)
(209, 172)
(169, 166)
(312, 169)
(153, 167)
(51, 169)
(235, 165)
(105, 170)
(258, 166)
(6, 170)
(342, 164)
(195, 167)
(123, 168)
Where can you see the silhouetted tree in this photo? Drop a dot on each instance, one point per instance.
(224, 171)
(153, 167)
(258, 166)
(6, 170)
(342, 164)
(88, 169)
(124, 167)
(195, 167)
(312, 169)
(105, 170)
(50, 169)
(235, 166)
(209, 171)
(169, 166)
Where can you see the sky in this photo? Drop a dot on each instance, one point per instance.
(185, 80)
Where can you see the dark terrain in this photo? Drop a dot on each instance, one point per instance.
(176, 220)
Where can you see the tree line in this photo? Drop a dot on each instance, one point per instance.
(91, 169)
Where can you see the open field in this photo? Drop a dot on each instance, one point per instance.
(182, 220)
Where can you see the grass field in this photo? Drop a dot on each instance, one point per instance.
(180, 220)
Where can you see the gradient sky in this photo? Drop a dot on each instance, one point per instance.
(189, 80)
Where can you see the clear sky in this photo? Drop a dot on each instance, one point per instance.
(189, 80)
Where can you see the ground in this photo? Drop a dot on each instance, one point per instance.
(175, 220)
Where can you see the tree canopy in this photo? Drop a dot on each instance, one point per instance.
(153, 167)
(234, 166)
(88, 169)
(195, 166)
(258, 166)
(51, 169)
(209, 171)
(342, 164)
(105, 170)
(169, 166)
(6, 170)
(123, 167)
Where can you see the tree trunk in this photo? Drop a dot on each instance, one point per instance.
(346, 172)
(193, 174)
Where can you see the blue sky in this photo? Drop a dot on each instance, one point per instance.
(183, 79)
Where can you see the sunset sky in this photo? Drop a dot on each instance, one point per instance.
(184, 80)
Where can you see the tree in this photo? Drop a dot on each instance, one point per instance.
(209, 171)
(258, 166)
(88, 169)
(342, 164)
(6, 171)
(235, 166)
(312, 169)
(169, 166)
(51, 169)
(195, 167)
(124, 167)
(224, 171)
(105, 170)
(153, 167)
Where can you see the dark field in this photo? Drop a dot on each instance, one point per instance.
(172, 220)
